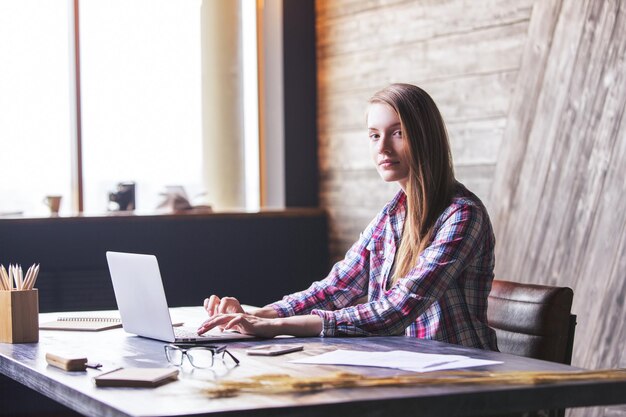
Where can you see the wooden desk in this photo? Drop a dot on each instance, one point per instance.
(26, 364)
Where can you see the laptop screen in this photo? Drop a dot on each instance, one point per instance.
(140, 295)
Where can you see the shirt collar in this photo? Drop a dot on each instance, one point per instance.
(397, 200)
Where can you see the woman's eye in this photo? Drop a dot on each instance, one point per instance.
(374, 136)
(398, 133)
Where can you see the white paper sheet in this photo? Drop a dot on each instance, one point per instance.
(397, 359)
(460, 364)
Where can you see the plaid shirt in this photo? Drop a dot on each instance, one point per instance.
(444, 297)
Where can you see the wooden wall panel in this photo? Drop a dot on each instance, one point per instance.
(558, 200)
(471, 97)
(454, 55)
(465, 53)
(419, 20)
(534, 95)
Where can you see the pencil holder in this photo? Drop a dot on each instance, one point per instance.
(19, 316)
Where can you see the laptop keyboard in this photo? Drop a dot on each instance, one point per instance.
(191, 333)
(186, 333)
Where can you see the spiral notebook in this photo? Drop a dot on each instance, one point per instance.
(85, 324)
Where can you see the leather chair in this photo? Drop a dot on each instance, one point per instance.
(534, 321)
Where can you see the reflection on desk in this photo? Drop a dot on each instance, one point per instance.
(115, 348)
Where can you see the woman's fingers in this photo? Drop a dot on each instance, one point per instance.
(237, 324)
(213, 321)
(241, 322)
(226, 305)
(256, 326)
(212, 304)
(230, 305)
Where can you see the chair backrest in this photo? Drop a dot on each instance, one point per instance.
(533, 320)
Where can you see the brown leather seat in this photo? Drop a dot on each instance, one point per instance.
(533, 320)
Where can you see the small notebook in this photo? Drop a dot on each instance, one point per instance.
(85, 324)
(137, 377)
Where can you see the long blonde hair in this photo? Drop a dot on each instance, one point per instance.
(431, 174)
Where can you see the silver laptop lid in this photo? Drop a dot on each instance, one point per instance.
(140, 295)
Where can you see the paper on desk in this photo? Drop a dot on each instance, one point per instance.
(397, 359)
(460, 364)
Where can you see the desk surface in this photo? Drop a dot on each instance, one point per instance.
(26, 364)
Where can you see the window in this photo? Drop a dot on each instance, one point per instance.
(35, 138)
(140, 96)
(143, 100)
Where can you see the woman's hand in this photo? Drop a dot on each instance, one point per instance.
(299, 326)
(227, 305)
(243, 323)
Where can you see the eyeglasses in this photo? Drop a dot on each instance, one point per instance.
(198, 356)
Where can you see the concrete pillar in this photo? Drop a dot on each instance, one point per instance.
(222, 107)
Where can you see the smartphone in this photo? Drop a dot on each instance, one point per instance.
(273, 350)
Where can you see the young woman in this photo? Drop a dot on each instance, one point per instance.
(425, 263)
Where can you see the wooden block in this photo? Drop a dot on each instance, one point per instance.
(67, 364)
(19, 316)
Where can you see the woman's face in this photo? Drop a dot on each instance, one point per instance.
(388, 146)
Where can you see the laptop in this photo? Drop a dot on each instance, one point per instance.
(142, 304)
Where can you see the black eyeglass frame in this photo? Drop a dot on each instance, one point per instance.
(184, 348)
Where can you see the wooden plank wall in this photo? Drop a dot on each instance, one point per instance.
(465, 53)
(559, 205)
(534, 95)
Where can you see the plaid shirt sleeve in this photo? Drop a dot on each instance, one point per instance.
(346, 282)
(455, 243)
